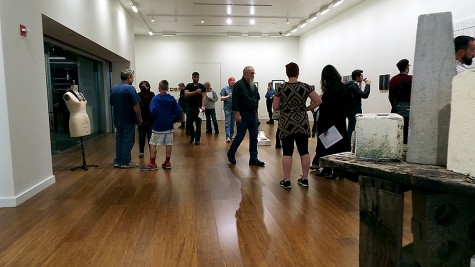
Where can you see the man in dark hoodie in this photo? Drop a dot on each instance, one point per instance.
(355, 94)
(165, 111)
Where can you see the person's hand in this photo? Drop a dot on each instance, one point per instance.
(199, 91)
(367, 81)
(238, 118)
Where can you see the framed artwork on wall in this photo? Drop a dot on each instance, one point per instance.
(277, 83)
(384, 82)
(346, 78)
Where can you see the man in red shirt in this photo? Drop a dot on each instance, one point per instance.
(400, 93)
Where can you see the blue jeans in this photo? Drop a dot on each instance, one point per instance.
(229, 121)
(145, 131)
(248, 122)
(211, 115)
(124, 142)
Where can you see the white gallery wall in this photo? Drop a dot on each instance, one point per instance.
(372, 36)
(175, 58)
(25, 155)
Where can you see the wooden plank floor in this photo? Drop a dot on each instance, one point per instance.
(202, 212)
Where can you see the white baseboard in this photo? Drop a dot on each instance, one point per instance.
(9, 202)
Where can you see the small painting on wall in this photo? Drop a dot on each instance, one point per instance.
(384, 82)
(277, 83)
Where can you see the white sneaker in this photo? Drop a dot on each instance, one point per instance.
(228, 140)
(130, 165)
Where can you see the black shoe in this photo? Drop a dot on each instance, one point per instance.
(286, 184)
(216, 132)
(256, 162)
(270, 122)
(197, 142)
(209, 131)
(278, 145)
(258, 123)
(231, 159)
(181, 126)
(303, 182)
(192, 139)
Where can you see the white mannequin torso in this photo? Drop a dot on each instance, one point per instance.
(79, 124)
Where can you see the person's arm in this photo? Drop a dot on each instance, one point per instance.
(268, 94)
(276, 103)
(236, 95)
(138, 114)
(178, 113)
(365, 93)
(316, 100)
(203, 100)
(215, 97)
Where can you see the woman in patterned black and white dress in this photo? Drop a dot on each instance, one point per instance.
(294, 127)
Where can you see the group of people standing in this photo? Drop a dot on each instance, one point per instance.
(155, 114)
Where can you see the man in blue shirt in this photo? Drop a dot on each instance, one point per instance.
(126, 110)
(229, 119)
(269, 99)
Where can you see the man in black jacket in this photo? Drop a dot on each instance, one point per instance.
(245, 103)
(355, 94)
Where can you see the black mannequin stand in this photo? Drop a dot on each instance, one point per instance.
(84, 166)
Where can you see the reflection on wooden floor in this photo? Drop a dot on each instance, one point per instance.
(202, 212)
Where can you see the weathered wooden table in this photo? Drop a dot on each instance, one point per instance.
(443, 207)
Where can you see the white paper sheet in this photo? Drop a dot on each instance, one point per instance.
(201, 115)
(332, 137)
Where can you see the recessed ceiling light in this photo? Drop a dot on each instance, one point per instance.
(287, 21)
(134, 8)
(152, 20)
(325, 11)
(313, 18)
(337, 3)
(252, 21)
(150, 33)
(202, 21)
(229, 10)
(229, 21)
(252, 10)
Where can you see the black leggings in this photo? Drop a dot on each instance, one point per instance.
(301, 140)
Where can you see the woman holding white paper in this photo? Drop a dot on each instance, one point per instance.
(332, 114)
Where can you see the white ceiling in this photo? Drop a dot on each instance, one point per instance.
(208, 17)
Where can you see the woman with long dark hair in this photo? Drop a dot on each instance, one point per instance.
(331, 113)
